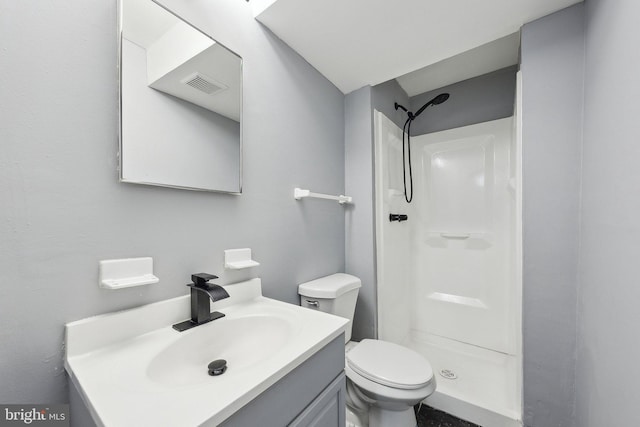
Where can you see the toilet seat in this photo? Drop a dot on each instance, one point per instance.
(390, 365)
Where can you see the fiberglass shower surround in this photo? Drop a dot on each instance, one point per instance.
(447, 279)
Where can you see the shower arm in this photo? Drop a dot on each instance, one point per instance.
(398, 106)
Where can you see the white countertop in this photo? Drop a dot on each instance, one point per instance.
(114, 360)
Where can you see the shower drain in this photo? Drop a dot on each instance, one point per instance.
(448, 374)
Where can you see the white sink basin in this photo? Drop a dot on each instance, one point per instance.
(242, 342)
(132, 368)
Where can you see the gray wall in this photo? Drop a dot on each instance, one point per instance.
(480, 99)
(607, 375)
(360, 227)
(63, 209)
(552, 73)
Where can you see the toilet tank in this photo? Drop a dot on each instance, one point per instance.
(335, 294)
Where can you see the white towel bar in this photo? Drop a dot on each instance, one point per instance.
(299, 193)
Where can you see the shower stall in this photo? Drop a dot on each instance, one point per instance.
(449, 277)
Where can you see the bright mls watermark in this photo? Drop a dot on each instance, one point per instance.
(34, 415)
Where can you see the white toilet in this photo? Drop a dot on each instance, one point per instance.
(384, 380)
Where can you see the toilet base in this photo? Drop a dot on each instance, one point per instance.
(364, 410)
(379, 417)
(356, 418)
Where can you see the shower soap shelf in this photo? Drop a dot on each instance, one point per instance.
(457, 235)
(448, 235)
(299, 193)
(125, 273)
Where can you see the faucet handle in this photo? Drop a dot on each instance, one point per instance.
(200, 279)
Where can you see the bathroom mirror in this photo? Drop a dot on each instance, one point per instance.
(180, 103)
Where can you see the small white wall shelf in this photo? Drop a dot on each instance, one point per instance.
(125, 273)
(237, 259)
(299, 193)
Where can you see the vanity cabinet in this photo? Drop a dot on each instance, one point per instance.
(313, 394)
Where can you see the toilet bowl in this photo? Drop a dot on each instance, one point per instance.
(384, 380)
(387, 380)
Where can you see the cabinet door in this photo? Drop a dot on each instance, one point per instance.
(288, 398)
(327, 410)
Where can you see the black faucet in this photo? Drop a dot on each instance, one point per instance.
(201, 292)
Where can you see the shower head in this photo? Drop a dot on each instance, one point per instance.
(435, 101)
(439, 99)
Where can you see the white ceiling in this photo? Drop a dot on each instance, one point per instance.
(144, 22)
(219, 65)
(355, 43)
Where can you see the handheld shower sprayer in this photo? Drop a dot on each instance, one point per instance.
(406, 129)
(435, 101)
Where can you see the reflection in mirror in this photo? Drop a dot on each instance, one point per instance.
(180, 103)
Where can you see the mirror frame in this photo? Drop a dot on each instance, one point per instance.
(119, 19)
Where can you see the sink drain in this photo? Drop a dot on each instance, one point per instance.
(448, 374)
(217, 367)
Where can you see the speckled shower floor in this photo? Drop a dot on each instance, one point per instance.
(429, 417)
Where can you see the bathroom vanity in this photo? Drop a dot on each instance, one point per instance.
(285, 365)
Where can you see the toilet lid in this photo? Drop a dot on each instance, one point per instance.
(390, 364)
